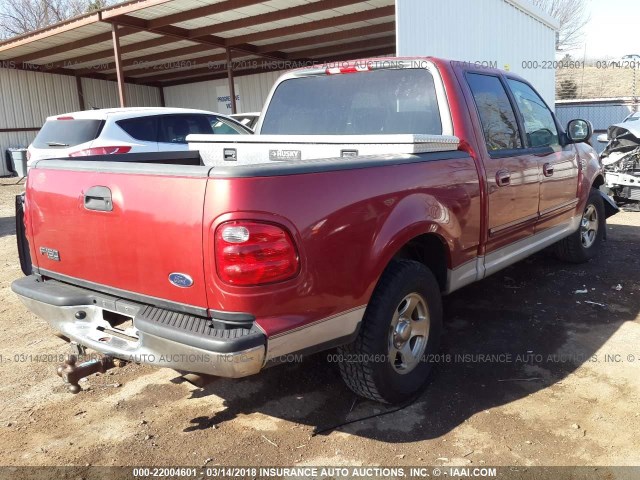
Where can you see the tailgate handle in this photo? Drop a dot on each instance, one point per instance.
(98, 198)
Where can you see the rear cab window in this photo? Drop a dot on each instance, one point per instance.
(67, 133)
(384, 101)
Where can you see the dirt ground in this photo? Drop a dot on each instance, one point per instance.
(566, 390)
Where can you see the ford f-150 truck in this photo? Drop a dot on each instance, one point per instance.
(438, 175)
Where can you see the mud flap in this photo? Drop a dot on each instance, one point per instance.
(610, 207)
(21, 237)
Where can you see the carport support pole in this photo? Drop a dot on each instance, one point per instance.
(80, 93)
(232, 87)
(118, 59)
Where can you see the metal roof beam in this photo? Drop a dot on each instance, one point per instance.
(180, 52)
(182, 74)
(132, 47)
(209, 58)
(84, 42)
(282, 14)
(156, 57)
(312, 26)
(330, 51)
(201, 12)
(254, 71)
(330, 37)
(183, 34)
(66, 72)
(318, 55)
(214, 76)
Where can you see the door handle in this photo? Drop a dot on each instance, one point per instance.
(503, 178)
(98, 198)
(547, 170)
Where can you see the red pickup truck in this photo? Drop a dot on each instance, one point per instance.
(443, 174)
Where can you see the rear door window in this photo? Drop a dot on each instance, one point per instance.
(67, 133)
(496, 114)
(539, 125)
(144, 128)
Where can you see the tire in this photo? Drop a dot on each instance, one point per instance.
(375, 365)
(585, 243)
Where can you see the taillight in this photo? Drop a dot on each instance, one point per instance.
(100, 151)
(253, 253)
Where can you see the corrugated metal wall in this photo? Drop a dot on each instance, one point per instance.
(497, 31)
(28, 98)
(251, 91)
(104, 94)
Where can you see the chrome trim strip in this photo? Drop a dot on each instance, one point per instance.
(138, 297)
(521, 222)
(521, 249)
(557, 209)
(465, 274)
(543, 215)
(316, 333)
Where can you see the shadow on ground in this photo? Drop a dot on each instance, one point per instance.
(529, 309)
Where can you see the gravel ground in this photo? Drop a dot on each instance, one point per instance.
(566, 390)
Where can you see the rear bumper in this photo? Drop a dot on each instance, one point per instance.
(158, 337)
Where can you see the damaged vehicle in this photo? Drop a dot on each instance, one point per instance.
(621, 161)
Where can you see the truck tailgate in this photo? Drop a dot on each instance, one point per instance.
(126, 227)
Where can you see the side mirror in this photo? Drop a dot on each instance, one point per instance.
(602, 138)
(579, 130)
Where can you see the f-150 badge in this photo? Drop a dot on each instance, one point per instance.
(50, 253)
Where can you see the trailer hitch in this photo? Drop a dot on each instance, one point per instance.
(72, 372)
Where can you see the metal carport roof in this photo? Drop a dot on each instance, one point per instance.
(170, 42)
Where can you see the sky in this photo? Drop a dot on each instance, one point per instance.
(613, 30)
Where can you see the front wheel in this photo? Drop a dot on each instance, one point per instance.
(390, 359)
(582, 245)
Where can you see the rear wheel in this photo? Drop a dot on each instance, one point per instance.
(584, 243)
(389, 360)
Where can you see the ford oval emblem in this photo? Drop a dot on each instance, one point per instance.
(181, 280)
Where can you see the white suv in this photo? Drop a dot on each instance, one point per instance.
(126, 130)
